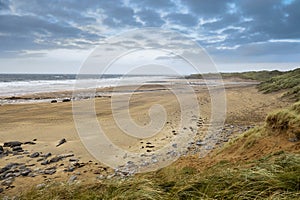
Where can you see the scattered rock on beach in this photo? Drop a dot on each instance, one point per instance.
(12, 144)
(17, 149)
(35, 154)
(30, 143)
(66, 100)
(1, 190)
(26, 172)
(54, 101)
(62, 141)
(1, 150)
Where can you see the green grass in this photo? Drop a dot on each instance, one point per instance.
(252, 75)
(271, 81)
(289, 81)
(275, 176)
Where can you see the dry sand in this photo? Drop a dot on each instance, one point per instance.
(50, 122)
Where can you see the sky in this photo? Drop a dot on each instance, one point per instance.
(41, 36)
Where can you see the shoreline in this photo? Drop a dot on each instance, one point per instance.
(67, 95)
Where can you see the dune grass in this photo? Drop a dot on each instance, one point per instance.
(289, 81)
(275, 176)
(286, 121)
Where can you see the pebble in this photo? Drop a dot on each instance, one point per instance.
(35, 154)
(41, 186)
(55, 159)
(72, 179)
(62, 141)
(25, 172)
(17, 148)
(29, 142)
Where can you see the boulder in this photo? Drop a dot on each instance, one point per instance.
(12, 144)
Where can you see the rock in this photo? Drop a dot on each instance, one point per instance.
(55, 159)
(1, 190)
(50, 171)
(69, 169)
(73, 160)
(8, 167)
(1, 150)
(46, 155)
(41, 186)
(25, 172)
(34, 155)
(8, 175)
(30, 143)
(40, 160)
(66, 100)
(72, 179)
(17, 149)
(8, 182)
(293, 139)
(100, 177)
(45, 162)
(200, 143)
(62, 141)
(54, 101)
(12, 144)
(66, 155)
(174, 145)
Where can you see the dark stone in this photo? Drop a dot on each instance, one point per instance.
(50, 171)
(45, 162)
(54, 101)
(40, 159)
(12, 144)
(25, 172)
(66, 100)
(55, 159)
(29, 142)
(35, 154)
(34, 140)
(1, 150)
(17, 149)
(8, 167)
(46, 155)
(73, 160)
(1, 190)
(69, 169)
(62, 141)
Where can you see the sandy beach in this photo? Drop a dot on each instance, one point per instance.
(45, 124)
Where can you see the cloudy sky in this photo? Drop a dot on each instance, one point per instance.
(41, 36)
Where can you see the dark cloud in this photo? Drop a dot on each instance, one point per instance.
(224, 25)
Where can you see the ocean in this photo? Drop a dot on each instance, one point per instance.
(15, 85)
